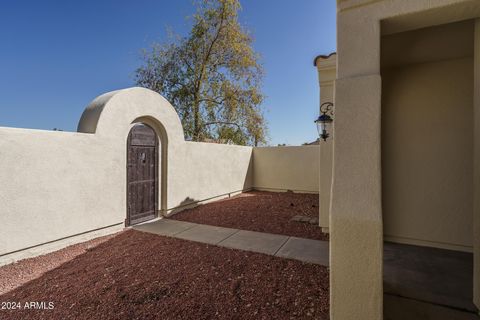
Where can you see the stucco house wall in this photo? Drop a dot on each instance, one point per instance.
(427, 136)
(356, 225)
(327, 73)
(427, 154)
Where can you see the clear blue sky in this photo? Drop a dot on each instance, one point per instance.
(56, 56)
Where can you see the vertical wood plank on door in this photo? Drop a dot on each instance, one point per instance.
(142, 174)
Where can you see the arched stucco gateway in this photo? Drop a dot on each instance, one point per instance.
(65, 187)
(112, 115)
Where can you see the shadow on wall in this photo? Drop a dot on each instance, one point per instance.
(248, 183)
(187, 203)
(190, 202)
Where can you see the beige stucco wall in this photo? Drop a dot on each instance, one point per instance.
(356, 214)
(286, 168)
(60, 184)
(206, 170)
(56, 184)
(59, 187)
(327, 72)
(427, 154)
(427, 100)
(356, 238)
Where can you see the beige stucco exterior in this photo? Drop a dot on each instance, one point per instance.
(356, 240)
(327, 73)
(368, 179)
(284, 168)
(60, 187)
(60, 184)
(427, 201)
(427, 112)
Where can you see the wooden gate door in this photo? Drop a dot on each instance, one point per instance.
(142, 174)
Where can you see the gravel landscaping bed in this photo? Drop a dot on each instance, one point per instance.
(270, 212)
(16, 274)
(136, 275)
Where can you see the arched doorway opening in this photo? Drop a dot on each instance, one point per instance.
(142, 174)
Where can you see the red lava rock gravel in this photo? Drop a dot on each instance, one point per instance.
(260, 211)
(137, 275)
(16, 274)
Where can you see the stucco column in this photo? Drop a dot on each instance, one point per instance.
(356, 232)
(326, 164)
(327, 71)
(356, 235)
(476, 168)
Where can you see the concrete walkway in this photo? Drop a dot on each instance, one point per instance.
(307, 250)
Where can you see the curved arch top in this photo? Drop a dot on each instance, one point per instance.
(112, 113)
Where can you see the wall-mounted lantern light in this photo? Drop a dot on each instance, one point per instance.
(325, 120)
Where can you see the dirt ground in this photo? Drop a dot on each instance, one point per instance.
(260, 211)
(136, 275)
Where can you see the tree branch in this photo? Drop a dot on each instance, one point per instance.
(222, 122)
